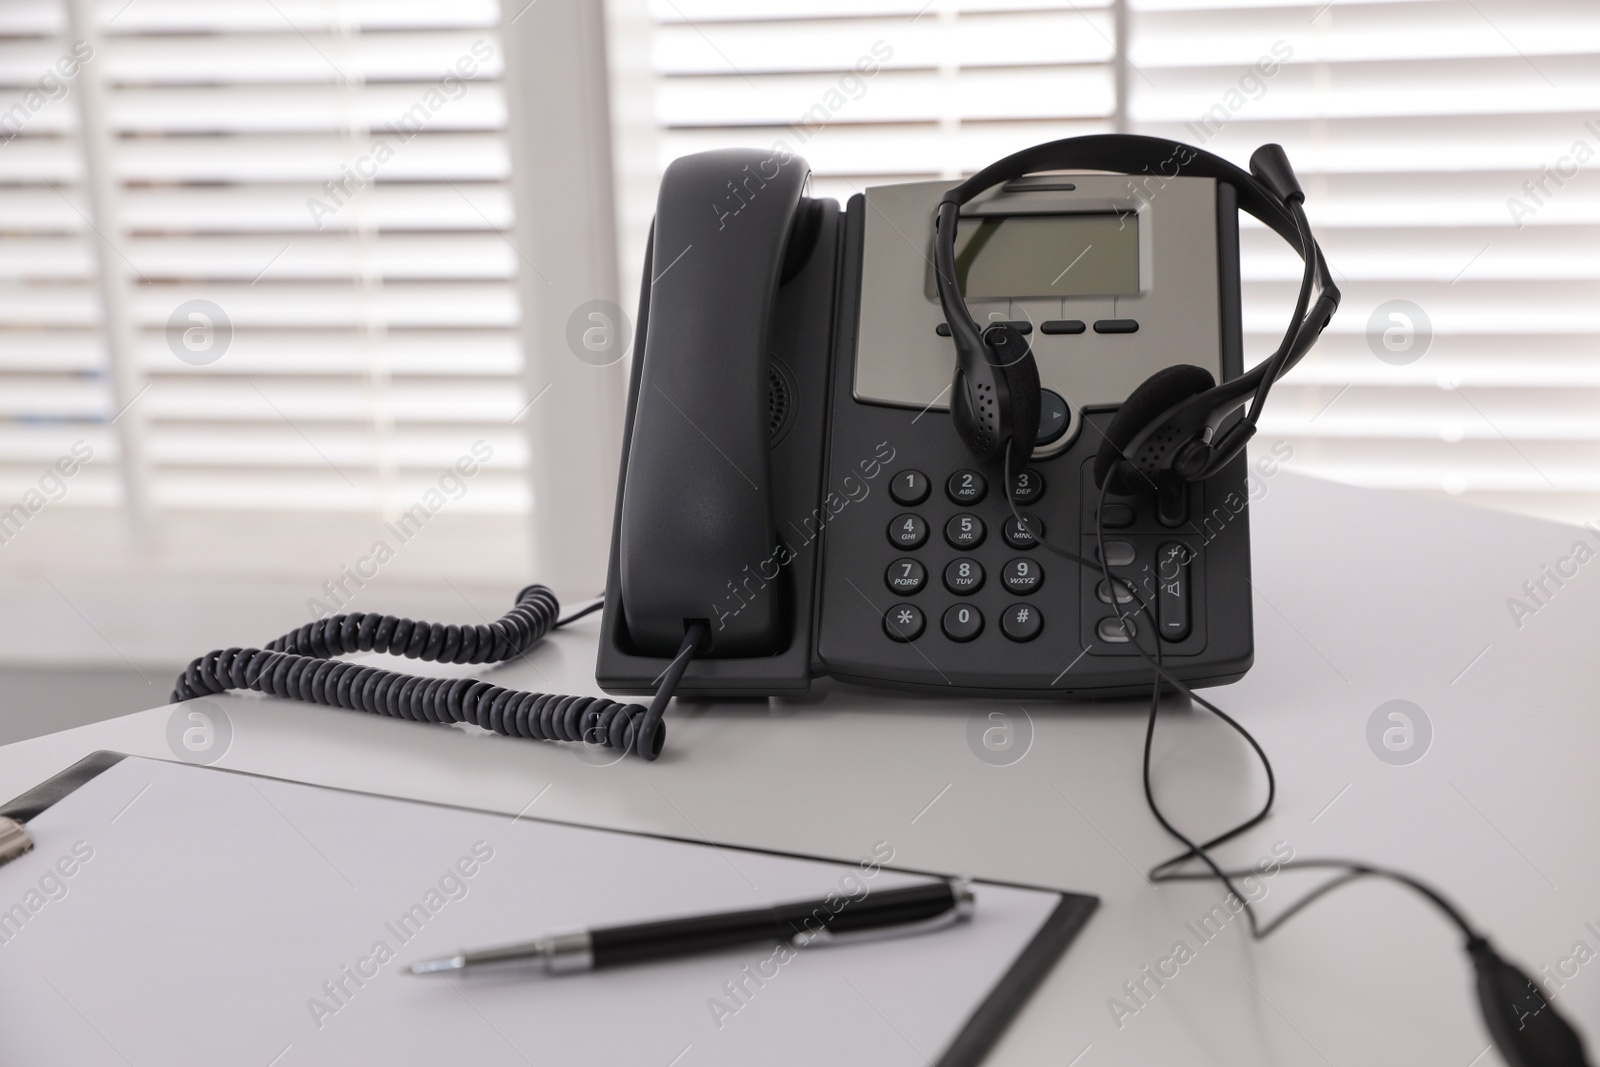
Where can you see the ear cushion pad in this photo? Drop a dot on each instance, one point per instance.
(1160, 391)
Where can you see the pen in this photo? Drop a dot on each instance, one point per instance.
(881, 913)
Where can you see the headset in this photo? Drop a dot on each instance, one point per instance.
(1170, 427)
(1173, 429)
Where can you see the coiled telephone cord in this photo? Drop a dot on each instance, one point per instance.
(299, 666)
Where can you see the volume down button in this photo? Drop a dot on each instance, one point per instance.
(1172, 591)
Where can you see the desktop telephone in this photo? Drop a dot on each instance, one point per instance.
(807, 490)
(790, 472)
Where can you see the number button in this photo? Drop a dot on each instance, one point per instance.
(1021, 622)
(1022, 576)
(966, 487)
(1019, 536)
(906, 576)
(1028, 487)
(964, 531)
(908, 531)
(909, 488)
(963, 577)
(962, 622)
(903, 623)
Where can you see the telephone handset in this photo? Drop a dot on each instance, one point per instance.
(792, 474)
(697, 483)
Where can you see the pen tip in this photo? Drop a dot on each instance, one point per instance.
(449, 963)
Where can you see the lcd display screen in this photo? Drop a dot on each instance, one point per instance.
(1029, 256)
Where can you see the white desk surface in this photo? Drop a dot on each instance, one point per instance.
(1361, 597)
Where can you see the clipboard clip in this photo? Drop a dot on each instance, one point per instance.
(14, 840)
(965, 903)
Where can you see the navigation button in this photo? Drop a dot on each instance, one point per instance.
(1054, 417)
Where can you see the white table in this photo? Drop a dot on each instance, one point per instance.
(1362, 598)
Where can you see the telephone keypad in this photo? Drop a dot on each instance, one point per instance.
(964, 531)
(965, 602)
(1021, 622)
(1022, 576)
(962, 622)
(903, 622)
(908, 531)
(966, 487)
(963, 577)
(906, 576)
(1019, 536)
(909, 487)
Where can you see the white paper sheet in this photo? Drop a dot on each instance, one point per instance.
(176, 915)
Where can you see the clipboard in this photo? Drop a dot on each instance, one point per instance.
(172, 913)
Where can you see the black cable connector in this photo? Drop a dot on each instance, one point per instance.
(298, 666)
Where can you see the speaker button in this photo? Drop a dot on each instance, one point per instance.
(1054, 417)
(1114, 631)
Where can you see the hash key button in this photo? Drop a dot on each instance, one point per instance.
(1021, 622)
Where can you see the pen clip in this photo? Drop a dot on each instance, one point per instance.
(960, 888)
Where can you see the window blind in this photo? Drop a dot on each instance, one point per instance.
(877, 91)
(309, 215)
(1446, 145)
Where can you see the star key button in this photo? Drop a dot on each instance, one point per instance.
(903, 623)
